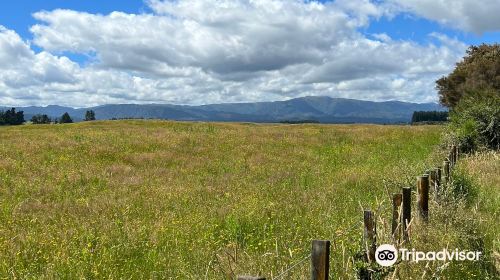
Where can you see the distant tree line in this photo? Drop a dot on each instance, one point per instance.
(40, 119)
(11, 117)
(429, 116)
(299, 121)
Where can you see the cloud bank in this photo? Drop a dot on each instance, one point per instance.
(201, 51)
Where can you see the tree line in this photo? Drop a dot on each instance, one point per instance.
(11, 117)
(429, 116)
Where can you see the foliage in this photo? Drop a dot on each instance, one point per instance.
(11, 117)
(65, 118)
(40, 119)
(90, 115)
(475, 123)
(429, 116)
(477, 74)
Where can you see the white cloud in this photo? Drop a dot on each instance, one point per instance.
(201, 51)
(469, 15)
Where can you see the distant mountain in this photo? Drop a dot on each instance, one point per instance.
(319, 108)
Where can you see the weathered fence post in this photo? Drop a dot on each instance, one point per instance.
(406, 217)
(446, 170)
(432, 179)
(320, 259)
(437, 186)
(397, 199)
(423, 196)
(370, 234)
(244, 277)
(454, 154)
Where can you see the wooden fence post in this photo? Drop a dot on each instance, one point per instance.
(406, 217)
(423, 196)
(320, 259)
(446, 171)
(397, 199)
(437, 186)
(454, 152)
(244, 277)
(370, 234)
(432, 179)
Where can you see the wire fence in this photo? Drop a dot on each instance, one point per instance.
(433, 179)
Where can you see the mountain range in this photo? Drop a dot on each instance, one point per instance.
(317, 108)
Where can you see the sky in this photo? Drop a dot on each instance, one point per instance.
(87, 53)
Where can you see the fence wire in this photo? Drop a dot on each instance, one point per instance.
(291, 267)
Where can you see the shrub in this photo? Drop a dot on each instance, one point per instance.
(475, 122)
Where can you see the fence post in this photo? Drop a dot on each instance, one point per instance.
(432, 179)
(397, 199)
(437, 186)
(446, 170)
(406, 217)
(423, 196)
(454, 154)
(320, 259)
(370, 234)
(244, 277)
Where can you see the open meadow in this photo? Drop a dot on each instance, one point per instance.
(179, 200)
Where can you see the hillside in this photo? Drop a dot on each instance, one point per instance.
(323, 109)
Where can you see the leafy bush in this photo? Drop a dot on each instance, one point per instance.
(475, 122)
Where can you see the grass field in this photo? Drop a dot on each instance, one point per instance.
(159, 199)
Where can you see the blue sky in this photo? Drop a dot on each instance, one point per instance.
(200, 51)
(17, 15)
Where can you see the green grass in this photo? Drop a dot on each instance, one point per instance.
(158, 199)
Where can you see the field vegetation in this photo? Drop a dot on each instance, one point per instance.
(160, 199)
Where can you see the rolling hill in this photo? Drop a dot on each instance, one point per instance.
(318, 108)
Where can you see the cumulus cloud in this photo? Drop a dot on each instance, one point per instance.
(474, 16)
(201, 51)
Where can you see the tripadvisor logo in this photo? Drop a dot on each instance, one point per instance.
(387, 255)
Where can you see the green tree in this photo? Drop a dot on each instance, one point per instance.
(40, 119)
(11, 117)
(90, 115)
(477, 74)
(65, 118)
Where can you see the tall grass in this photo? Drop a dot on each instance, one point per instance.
(465, 218)
(159, 199)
